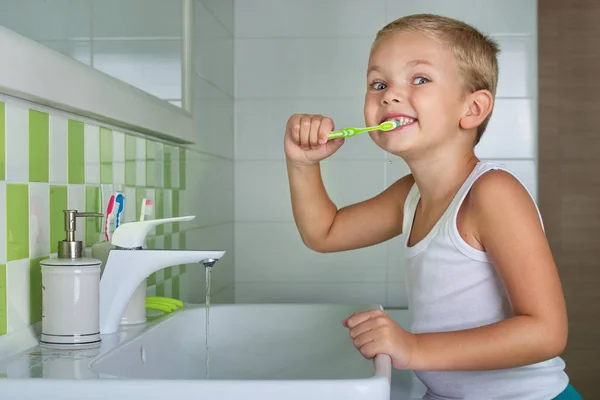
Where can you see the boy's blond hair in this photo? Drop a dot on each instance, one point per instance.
(475, 53)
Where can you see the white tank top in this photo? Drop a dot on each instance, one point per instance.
(452, 286)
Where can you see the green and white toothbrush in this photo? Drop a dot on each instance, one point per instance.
(349, 132)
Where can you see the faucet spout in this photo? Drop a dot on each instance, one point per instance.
(126, 269)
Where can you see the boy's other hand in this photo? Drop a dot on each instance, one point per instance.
(306, 139)
(374, 332)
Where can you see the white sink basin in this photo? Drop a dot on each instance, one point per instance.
(273, 351)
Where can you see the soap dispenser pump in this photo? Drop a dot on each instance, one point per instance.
(70, 292)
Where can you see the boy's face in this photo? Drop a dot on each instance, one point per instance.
(413, 79)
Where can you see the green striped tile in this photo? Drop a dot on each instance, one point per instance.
(92, 225)
(150, 163)
(58, 203)
(35, 290)
(39, 146)
(176, 291)
(17, 221)
(159, 204)
(182, 168)
(106, 150)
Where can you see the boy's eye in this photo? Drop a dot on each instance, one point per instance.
(419, 80)
(378, 85)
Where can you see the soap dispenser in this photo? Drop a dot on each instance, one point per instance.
(70, 292)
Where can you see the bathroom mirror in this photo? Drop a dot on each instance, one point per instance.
(139, 42)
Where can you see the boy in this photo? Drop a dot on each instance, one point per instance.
(489, 318)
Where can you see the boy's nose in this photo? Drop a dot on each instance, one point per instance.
(392, 95)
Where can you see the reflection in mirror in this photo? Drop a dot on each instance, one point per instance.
(136, 41)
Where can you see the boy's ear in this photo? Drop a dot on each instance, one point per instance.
(478, 106)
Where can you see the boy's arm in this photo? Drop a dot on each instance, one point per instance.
(324, 228)
(510, 231)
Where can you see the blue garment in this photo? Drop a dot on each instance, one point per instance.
(569, 394)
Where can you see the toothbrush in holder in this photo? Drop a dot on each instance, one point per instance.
(110, 210)
(350, 132)
(120, 205)
(146, 209)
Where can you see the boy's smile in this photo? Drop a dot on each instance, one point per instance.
(414, 80)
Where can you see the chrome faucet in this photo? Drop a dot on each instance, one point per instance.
(128, 266)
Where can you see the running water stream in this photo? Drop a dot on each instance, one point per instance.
(207, 306)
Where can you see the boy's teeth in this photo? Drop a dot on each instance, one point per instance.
(401, 120)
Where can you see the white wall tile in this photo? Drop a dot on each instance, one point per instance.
(153, 66)
(396, 295)
(516, 67)
(217, 237)
(58, 150)
(79, 50)
(223, 296)
(510, 132)
(118, 172)
(491, 16)
(175, 244)
(262, 189)
(350, 182)
(17, 295)
(160, 274)
(261, 123)
(76, 201)
(137, 18)
(140, 162)
(47, 20)
(130, 212)
(214, 127)
(168, 288)
(334, 18)
(223, 10)
(118, 142)
(39, 220)
(118, 154)
(209, 25)
(17, 143)
(91, 145)
(305, 68)
(168, 209)
(214, 61)
(151, 291)
(2, 222)
(209, 197)
(316, 292)
(274, 252)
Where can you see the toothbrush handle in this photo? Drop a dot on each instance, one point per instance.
(348, 132)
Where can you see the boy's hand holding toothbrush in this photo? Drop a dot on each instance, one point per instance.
(307, 139)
